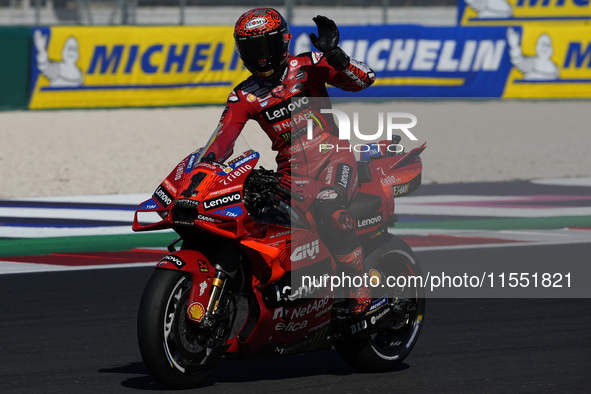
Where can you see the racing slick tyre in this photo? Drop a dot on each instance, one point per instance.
(174, 349)
(385, 349)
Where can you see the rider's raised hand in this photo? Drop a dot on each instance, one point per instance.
(327, 42)
(328, 34)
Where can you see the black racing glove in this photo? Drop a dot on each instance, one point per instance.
(327, 42)
(210, 158)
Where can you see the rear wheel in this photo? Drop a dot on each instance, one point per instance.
(177, 351)
(383, 350)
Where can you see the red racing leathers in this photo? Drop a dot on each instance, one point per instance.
(267, 103)
(275, 108)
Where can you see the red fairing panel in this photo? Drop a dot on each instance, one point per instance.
(202, 274)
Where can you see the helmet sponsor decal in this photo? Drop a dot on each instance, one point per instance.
(258, 21)
(255, 23)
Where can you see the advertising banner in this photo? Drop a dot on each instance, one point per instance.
(107, 67)
(533, 61)
(510, 12)
(82, 67)
(420, 61)
(549, 62)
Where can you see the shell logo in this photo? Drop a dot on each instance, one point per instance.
(375, 278)
(196, 312)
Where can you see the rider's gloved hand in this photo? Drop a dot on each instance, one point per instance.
(283, 189)
(285, 193)
(327, 42)
(209, 158)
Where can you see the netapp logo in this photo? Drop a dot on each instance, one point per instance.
(222, 201)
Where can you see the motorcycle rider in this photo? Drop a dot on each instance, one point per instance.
(262, 40)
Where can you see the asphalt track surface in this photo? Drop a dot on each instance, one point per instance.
(75, 332)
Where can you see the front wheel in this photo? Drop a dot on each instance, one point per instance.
(385, 349)
(174, 349)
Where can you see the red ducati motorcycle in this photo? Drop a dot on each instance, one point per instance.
(237, 285)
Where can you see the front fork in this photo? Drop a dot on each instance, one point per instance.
(226, 266)
(217, 289)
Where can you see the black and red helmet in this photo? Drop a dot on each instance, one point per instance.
(262, 41)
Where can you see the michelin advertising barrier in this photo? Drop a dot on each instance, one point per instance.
(531, 61)
(510, 12)
(84, 67)
(81, 67)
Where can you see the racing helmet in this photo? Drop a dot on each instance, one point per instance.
(262, 41)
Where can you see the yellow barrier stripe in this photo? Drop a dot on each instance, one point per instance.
(420, 81)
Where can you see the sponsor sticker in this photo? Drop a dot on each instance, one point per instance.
(375, 319)
(343, 176)
(306, 252)
(399, 190)
(203, 267)
(232, 212)
(150, 204)
(370, 221)
(225, 190)
(283, 110)
(316, 56)
(177, 261)
(209, 219)
(373, 151)
(377, 304)
(233, 97)
(196, 312)
(291, 326)
(301, 76)
(163, 196)
(241, 161)
(297, 87)
(375, 278)
(169, 186)
(202, 287)
(222, 201)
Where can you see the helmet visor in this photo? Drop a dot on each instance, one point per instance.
(262, 50)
